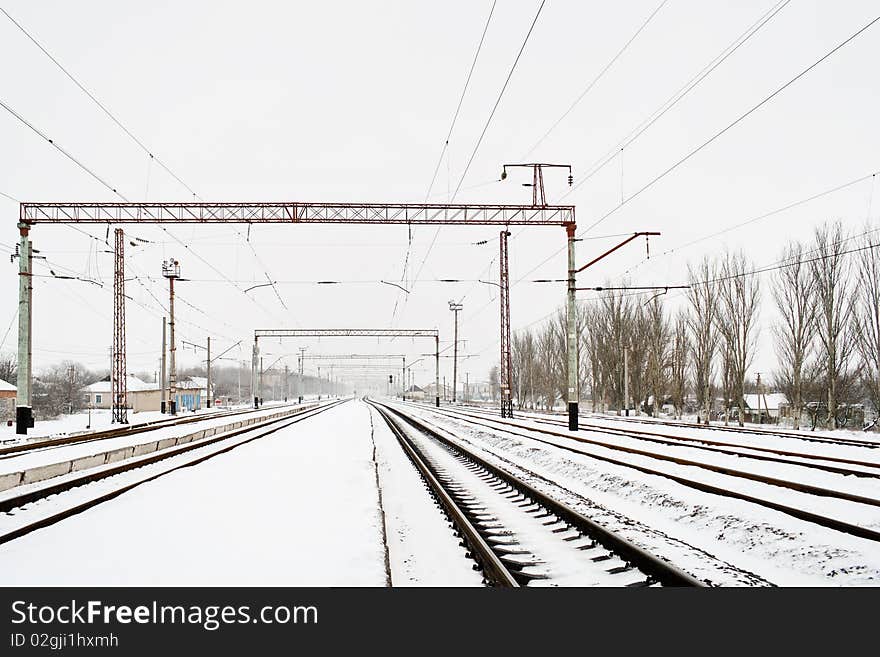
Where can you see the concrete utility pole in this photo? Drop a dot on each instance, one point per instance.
(403, 380)
(163, 398)
(261, 381)
(455, 308)
(209, 372)
(171, 271)
(286, 382)
(24, 417)
(625, 381)
(571, 333)
(255, 359)
(302, 385)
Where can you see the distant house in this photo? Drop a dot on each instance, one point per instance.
(766, 407)
(7, 400)
(140, 395)
(192, 392)
(415, 393)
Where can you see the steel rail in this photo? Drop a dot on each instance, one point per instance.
(802, 514)
(766, 479)
(706, 444)
(797, 435)
(495, 572)
(654, 567)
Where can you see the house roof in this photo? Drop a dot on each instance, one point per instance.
(132, 384)
(193, 383)
(6, 386)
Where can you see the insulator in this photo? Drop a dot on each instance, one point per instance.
(570, 180)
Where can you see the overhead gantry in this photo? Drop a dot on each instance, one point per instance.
(345, 333)
(293, 212)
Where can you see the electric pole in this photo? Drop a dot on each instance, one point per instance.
(209, 372)
(302, 386)
(171, 271)
(455, 308)
(162, 398)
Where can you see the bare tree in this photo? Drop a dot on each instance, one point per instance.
(740, 295)
(836, 299)
(658, 331)
(702, 296)
(794, 293)
(679, 360)
(868, 320)
(8, 367)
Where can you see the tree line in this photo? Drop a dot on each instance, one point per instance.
(637, 353)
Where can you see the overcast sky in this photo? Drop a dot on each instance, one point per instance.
(351, 101)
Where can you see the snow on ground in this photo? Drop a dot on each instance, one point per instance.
(17, 462)
(868, 487)
(774, 545)
(79, 423)
(296, 508)
(423, 550)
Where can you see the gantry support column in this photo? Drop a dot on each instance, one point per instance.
(119, 374)
(403, 379)
(24, 418)
(437, 370)
(254, 360)
(572, 346)
(506, 364)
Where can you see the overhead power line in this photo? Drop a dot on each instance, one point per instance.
(153, 157)
(679, 95)
(498, 100)
(60, 149)
(461, 100)
(97, 102)
(596, 79)
(730, 125)
(482, 134)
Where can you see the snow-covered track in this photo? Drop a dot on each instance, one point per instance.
(124, 430)
(826, 520)
(518, 534)
(112, 481)
(782, 433)
(759, 453)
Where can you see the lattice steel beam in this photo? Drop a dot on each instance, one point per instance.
(119, 376)
(295, 212)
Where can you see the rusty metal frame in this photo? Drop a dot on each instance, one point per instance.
(295, 212)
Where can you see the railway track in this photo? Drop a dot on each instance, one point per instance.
(22, 511)
(824, 519)
(782, 433)
(517, 534)
(128, 430)
(758, 453)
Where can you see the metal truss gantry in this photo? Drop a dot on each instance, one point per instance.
(347, 333)
(293, 212)
(297, 213)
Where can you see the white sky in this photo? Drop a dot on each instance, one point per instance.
(351, 101)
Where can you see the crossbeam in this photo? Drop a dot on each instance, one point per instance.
(347, 333)
(354, 356)
(296, 213)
